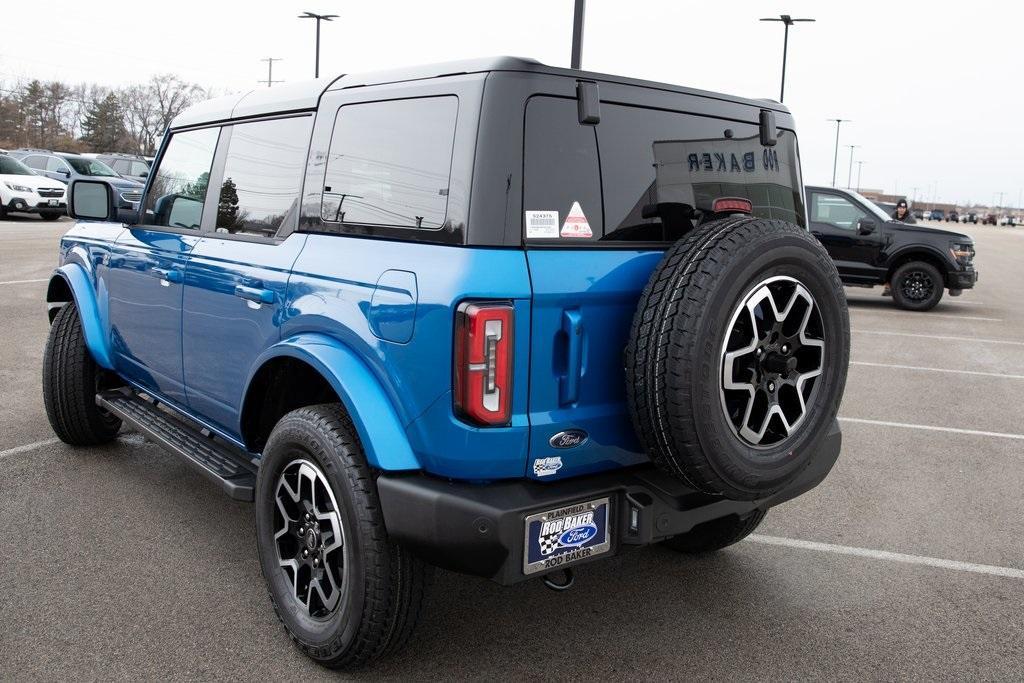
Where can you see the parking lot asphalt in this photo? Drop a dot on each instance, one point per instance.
(906, 563)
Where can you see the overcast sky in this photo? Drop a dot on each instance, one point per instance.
(935, 97)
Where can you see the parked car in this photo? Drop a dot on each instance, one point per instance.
(918, 214)
(400, 370)
(22, 191)
(971, 217)
(952, 216)
(869, 248)
(937, 215)
(66, 167)
(127, 165)
(1008, 220)
(989, 219)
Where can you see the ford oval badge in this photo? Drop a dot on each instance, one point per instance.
(570, 438)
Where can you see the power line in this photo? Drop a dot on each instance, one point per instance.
(270, 70)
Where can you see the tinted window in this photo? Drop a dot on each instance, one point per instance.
(835, 210)
(390, 163)
(560, 171)
(262, 175)
(176, 196)
(11, 166)
(91, 167)
(37, 162)
(56, 165)
(662, 170)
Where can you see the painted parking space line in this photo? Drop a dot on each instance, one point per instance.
(946, 370)
(929, 315)
(939, 336)
(24, 282)
(28, 447)
(885, 555)
(931, 428)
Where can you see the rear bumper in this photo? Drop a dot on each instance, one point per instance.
(478, 529)
(962, 279)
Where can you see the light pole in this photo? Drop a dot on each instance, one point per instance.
(787, 21)
(319, 18)
(270, 71)
(849, 173)
(859, 164)
(835, 158)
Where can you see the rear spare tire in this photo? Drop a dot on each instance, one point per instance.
(737, 357)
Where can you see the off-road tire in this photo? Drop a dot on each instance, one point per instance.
(673, 359)
(71, 380)
(716, 534)
(921, 269)
(384, 589)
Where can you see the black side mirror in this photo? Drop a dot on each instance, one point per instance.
(67, 174)
(866, 226)
(91, 200)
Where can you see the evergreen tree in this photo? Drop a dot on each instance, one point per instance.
(227, 207)
(103, 128)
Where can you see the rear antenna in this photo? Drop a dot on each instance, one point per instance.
(577, 34)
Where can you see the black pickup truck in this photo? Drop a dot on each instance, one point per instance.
(871, 248)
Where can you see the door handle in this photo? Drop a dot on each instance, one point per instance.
(169, 275)
(260, 296)
(569, 384)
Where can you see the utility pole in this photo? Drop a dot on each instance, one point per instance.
(270, 70)
(914, 195)
(787, 21)
(835, 159)
(576, 59)
(319, 18)
(849, 173)
(859, 164)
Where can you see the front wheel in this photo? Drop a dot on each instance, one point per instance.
(346, 594)
(917, 286)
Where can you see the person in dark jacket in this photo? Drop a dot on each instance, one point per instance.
(902, 212)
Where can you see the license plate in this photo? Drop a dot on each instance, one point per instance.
(52, 202)
(565, 535)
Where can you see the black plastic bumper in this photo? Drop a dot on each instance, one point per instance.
(962, 279)
(21, 206)
(479, 528)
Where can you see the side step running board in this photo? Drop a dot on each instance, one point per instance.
(230, 467)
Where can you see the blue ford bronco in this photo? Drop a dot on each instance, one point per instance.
(493, 316)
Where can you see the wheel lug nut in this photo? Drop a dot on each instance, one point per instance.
(316, 561)
(785, 348)
(305, 552)
(302, 530)
(771, 386)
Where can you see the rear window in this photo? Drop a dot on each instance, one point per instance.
(659, 172)
(390, 163)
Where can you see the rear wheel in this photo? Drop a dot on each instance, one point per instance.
(71, 380)
(346, 594)
(917, 286)
(716, 534)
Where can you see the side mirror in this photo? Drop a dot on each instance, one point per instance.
(865, 226)
(67, 173)
(91, 200)
(144, 174)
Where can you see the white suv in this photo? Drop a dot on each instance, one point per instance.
(23, 191)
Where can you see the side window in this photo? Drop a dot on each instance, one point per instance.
(835, 210)
(390, 163)
(176, 196)
(663, 170)
(262, 176)
(561, 176)
(56, 165)
(120, 165)
(138, 168)
(35, 161)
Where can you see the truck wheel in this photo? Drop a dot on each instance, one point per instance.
(716, 534)
(737, 357)
(71, 380)
(917, 286)
(345, 594)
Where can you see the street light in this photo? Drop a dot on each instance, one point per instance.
(835, 158)
(849, 173)
(319, 18)
(859, 164)
(787, 21)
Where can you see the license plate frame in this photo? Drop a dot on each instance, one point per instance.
(565, 535)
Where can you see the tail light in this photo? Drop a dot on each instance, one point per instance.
(732, 205)
(483, 362)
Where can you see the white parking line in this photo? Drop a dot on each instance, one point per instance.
(931, 315)
(938, 336)
(27, 447)
(24, 282)
(924, 369)
(931, 428)
(938, 562)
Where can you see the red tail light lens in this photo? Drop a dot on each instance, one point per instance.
(483, 362)
(732, 205)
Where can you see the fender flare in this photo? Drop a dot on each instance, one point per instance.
(377, 423)
(918, 248)
(78, 281)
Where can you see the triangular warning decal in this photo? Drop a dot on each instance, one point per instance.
(576, 224)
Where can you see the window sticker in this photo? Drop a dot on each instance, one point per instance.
(541, 224)
(576, 224)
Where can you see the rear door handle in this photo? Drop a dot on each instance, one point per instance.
(169, 275)
(569, 384)
(260, 296)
